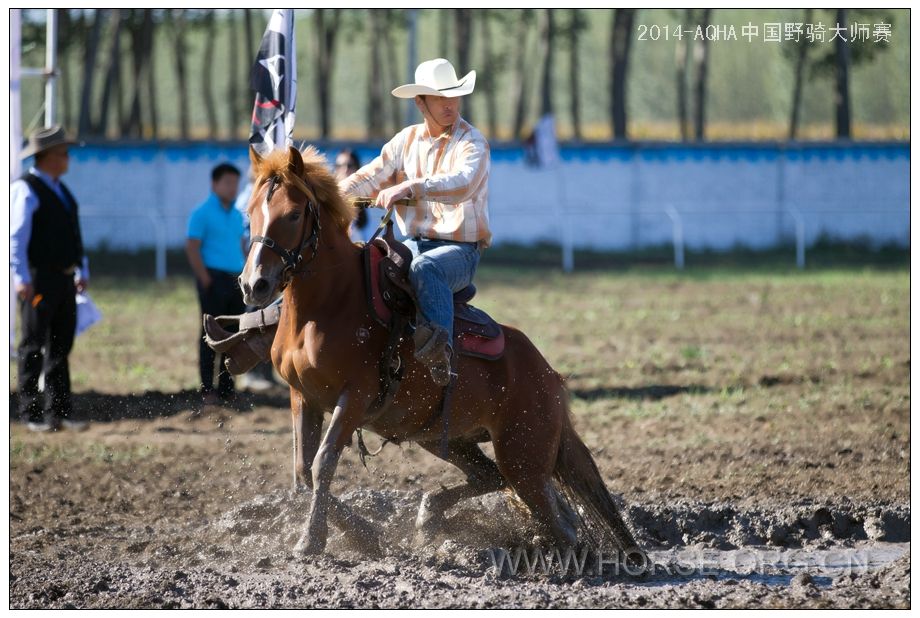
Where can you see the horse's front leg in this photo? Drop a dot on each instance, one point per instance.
(345, 419)
(307, 421)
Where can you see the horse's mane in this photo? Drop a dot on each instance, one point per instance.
(316, 180)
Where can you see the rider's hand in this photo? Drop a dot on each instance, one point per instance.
(387, 197)
(81, 285)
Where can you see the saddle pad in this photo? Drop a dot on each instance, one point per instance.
(473, 345)
(379, 309)
(475, 332)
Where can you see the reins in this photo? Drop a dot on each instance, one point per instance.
(369, 202)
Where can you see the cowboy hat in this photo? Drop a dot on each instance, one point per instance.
(45, 138)
(437, 77)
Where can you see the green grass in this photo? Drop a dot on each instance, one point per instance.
(44, 453)
(824, 256)
(715, 330)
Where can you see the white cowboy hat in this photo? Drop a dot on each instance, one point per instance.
(437, 77)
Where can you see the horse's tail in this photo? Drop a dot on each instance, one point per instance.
(582, 484)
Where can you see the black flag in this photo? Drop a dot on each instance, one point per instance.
(274, 78)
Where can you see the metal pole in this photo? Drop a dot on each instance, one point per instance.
(51, 68)
(677, 233)
(159, 235)
(562, 209)
(413, 39)
(799, 236)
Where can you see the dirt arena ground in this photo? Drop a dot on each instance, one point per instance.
(755, 425)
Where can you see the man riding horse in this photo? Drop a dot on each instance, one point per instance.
(443, 165)
(332, 346)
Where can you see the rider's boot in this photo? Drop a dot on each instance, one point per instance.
(433, 350)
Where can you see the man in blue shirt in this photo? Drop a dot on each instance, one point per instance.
(216, 249)
(49, 267)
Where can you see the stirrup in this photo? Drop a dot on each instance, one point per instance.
(432, 350)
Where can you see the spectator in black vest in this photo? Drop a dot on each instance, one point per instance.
(49, 268)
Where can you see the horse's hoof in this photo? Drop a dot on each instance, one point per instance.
(429, 519)
(309, 546)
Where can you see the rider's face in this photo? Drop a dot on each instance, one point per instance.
(443, 111)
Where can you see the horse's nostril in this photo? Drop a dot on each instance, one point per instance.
(261, 287)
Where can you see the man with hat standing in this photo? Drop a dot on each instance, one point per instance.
(49, 268)
(443, 165)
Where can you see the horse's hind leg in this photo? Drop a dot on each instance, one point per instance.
(529, 471)
(482, 477)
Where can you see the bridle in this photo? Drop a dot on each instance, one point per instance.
(293, 260)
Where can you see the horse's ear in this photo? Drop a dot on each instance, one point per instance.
(254, 158)
(295, 161)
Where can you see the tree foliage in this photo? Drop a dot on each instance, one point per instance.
(183, 73)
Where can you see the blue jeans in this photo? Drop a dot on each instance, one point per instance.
(438, 269)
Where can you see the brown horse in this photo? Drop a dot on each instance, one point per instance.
(328, 347)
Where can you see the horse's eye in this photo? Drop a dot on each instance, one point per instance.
(294, 216)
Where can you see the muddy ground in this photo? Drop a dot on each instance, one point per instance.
(756, 427)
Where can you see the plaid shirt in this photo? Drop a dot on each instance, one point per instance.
(450, 180)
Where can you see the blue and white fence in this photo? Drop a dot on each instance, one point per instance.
(600, 196)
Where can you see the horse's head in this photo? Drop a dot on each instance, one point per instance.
(294, 197)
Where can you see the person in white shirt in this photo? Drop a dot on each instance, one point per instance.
(49, 268)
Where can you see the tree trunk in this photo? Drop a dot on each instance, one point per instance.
(842, 98)
(681, 59)
(444, 30)
(519, 81)
(392, 70)
(488, 79)
(207, 68)
(110, 72)
(250, 58)
(701, 60)
(800, 62)
(621, 36)
(374, 83)
(547, 34)
(177, 21)
(149, 55)
(233, 74)
(68, 34)
(132, 125)
(327, 25)
(85, 124)
(574, 86)
(250, 41)
(121, 92)
(464, 44)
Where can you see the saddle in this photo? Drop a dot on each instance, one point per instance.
(386, 270)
